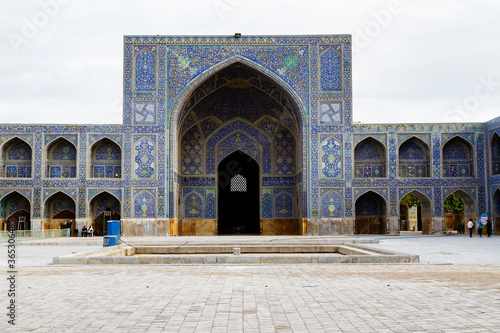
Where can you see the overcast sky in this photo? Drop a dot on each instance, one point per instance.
(413, 61)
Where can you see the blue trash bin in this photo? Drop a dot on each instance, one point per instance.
(113, 237)
(109, 241)
(114, 228)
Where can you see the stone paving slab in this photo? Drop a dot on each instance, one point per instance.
(439, 250)
(280, 298)
(262, 298)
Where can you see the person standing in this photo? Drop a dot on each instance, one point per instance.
(488, 228)
(68, 228)
(470, 225)
(480, 228)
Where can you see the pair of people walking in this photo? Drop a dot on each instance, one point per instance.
(480, 227)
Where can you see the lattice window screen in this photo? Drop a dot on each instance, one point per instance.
(238, 184)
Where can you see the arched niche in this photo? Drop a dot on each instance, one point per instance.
(458, 158)
(16, 159)
(495, 154)
(106, 159)
(61, 159)
(414, 159)
(369, 159)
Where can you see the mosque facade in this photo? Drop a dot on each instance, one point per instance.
(244, 135)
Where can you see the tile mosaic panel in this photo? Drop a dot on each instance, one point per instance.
(331, 158)
(145, 69)
(331, 67)
(249, 130)
(283, 202)
(144, 205)
(144, 157)
(267, 203)
(284, 152)
(331, 205)
(211, 203)
(192, 152)
(118, 139)
(28, 138)
(145, 113)
(330, 112)
(193, 202)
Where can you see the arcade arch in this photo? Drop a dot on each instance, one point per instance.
(15, 208)
(103, 207)
(424, 213)
(371, 214)
(469, 211)
(58, 209)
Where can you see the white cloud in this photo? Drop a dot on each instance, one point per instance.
(426, 59)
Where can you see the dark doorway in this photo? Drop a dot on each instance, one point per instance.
(238, 199)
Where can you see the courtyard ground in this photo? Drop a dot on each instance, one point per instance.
(455, 288)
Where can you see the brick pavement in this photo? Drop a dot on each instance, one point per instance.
(281, 298)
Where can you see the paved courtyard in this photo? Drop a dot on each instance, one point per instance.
(448, 294)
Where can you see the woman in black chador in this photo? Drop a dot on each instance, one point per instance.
(488, 228)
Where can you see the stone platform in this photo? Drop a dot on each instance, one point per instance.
(238, 250)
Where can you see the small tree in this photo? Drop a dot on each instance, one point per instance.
(410, 201)
(453, 204)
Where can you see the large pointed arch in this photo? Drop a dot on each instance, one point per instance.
(189, 113)
(182, 99)
(469, 212)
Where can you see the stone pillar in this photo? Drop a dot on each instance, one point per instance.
(437, 226)
(79, 223)
(36, 224)
(393, 225)
(349, 223)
